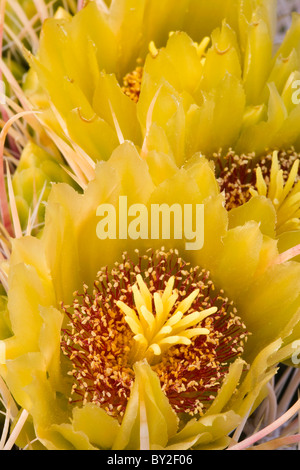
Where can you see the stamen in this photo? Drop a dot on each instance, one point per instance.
(156, 308)
(153, 49)
(236, 178)
(276, 177)
(132, 82)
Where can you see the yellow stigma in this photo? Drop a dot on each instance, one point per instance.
(156, 333)
(284, 196)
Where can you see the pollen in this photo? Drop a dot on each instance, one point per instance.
(276, 176)
(236, 177)
(132, 82)
(154, 307)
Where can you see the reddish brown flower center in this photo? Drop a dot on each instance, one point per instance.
(237, 174)
(99, 341)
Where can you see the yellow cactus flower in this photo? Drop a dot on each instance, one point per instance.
(266, 191)
(85, 109)
(110, 341)
(263, 110)
(174, 84)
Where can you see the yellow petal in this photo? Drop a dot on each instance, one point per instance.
(157, 423)
(258, 209)
(100, 428)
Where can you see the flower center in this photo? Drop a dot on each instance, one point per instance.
(157, 308)
(276, 176)
(132, 82)
(236, 177)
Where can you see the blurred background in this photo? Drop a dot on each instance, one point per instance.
(285, 9)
